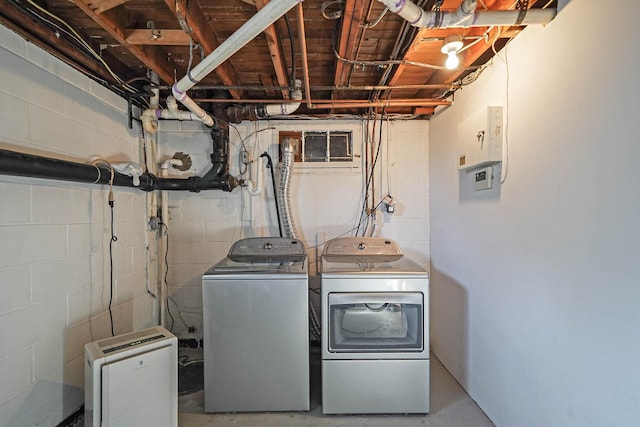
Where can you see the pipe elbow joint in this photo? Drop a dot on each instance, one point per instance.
(149, 121)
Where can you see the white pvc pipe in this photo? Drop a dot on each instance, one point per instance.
(150, 117)
(266, 16)
(466, 15)
(287, 107)
(255, 189)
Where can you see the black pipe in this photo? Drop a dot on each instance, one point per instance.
(275, 192)
(33, 166)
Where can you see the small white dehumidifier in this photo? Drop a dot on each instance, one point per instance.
(131, 380)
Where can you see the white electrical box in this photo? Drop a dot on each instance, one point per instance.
(131, 380)
(480, 138)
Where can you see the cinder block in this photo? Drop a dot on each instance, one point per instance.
(27, 244)
(16, 375)
(15, 289)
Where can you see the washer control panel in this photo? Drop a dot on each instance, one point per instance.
(267, 249)
(361, 246)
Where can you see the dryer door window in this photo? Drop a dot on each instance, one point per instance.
(376, 322)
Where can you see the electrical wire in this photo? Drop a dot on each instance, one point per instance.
(112, 240)
(292, 80)
(74, 34)
(184, 322)
(166, 273)
(505, 163)
(377, 20)
(364, 215)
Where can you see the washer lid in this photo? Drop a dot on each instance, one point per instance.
(228, 265)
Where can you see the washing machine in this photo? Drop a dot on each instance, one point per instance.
(375, 329)
(256, 328)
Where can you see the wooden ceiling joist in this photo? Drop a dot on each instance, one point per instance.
(275, 48)
(48, 40)
(190, 14)
(101, 6)
(157, 37)
(353, 16)
(114, 23)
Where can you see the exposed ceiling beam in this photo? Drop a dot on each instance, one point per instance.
(275, 48)
(101, 6)
(194, 22)
(114, 23)
(353, 16)
(467, 58)
(157, 37)
(47, 39)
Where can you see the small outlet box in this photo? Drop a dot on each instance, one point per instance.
(154, 223)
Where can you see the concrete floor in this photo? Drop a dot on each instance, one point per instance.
(451, 406)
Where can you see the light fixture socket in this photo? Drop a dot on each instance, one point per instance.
(452, 44)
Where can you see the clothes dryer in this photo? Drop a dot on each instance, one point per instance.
(375, 329)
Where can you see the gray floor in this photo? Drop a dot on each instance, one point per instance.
(450, 406)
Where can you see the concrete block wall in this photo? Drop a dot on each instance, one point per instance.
(326, 202)
(54, 264)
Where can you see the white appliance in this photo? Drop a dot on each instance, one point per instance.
(256, 328)
(375, 329)
(131, 380)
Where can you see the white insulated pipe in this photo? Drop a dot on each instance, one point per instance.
(466, 15)
(266, 16)
(286, 108)
(150, 117)
(255, 189)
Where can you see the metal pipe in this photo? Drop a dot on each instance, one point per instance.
(380, 103)
(327, 88)
(466, 15)
(33, 166)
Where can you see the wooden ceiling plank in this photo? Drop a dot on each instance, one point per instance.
(113, 24)
(275, 48)
(157, 37)
(101, 6)
(203, 34)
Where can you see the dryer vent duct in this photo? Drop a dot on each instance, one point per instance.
(288, 153)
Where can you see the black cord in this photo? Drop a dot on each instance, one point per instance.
(364, 216)
(293, 52)
(275, 192)
(111, 241)
(166, 273)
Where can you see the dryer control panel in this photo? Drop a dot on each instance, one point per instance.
(267, 249)
(362, 247)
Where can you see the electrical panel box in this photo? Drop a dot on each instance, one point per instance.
(480, 139)
(483, 178)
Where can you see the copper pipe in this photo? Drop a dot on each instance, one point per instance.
(303, 52)
(337, 103)
(384, 103)
(327, 88)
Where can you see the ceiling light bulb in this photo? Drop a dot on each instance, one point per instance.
(450, 47)
(452, 61)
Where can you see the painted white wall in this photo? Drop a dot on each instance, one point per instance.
(326, 202)
(54, 265)
(535, 282)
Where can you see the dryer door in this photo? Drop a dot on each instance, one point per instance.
(376, 322)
